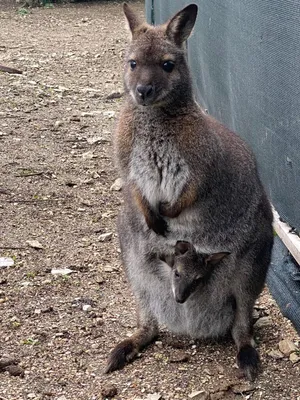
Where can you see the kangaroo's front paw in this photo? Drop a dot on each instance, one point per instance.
(248, 361)
(158, 224)
(167, 210)
(122, 354)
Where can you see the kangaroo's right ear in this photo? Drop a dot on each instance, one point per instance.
(181, 25)
(182, 247)
(134, 20)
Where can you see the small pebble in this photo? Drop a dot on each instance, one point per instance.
(276, 354)
(15, 370)
(109, 391)
(117, 185)
(199, 395)
(105, 237)
(294, 358)
(262, 322)
(179, 356)
(86, 307)
(286, 347)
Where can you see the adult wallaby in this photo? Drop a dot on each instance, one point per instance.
(190, 269)
(186, 177)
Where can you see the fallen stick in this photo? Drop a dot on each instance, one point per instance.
(10, 70)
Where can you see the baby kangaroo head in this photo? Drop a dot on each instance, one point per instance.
(156, 72)
(189, 268)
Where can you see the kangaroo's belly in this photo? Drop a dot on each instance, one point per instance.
(197, 317)
(205, 314)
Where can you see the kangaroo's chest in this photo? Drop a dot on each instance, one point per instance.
(158, 169)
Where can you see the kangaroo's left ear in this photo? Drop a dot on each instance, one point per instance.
(215, 258)
(181, 25)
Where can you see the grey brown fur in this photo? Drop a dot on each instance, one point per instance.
(190, 269)
(186, 177)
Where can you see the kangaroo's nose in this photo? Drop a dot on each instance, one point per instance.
(144, 91)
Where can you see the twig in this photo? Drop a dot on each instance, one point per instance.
(29, 174)
(11, 248)
(32, 201)
(10, 70)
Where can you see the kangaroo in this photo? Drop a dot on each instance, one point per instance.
(186, 177)
(190, 269)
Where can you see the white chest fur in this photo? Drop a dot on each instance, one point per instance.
(158, 170)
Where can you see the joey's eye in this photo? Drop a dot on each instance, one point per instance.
(132, 64)
(168, 66)
(177, 274)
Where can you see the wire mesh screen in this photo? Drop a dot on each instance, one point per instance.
(245, 59)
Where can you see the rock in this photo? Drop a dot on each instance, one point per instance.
(5, 362)
(15, 370)
(241, 388)
(105, 237)
(108, 268)
(294, 358)
(74, 118)
(154, 396)
(6, 262)
(109, 114)
(255, 314)
(114, 95)
(61, 271)
(89, 155)
(91, 113)
(286, 347)
(276, 354)
(262, 322)
(217, 395)
(34, 244)
(86, 307)
(100, 280)
(200, 395)
(117, 185)
(179, 356)
(96, 139)
(58, 124)
(109, 391)
(159, 344)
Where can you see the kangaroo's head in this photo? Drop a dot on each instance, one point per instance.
(156, 70)
(190, 268)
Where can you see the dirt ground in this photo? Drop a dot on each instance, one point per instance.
(56, 173)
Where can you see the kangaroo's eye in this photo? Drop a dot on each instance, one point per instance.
(168, 66)
(177, 274)
(132, 64)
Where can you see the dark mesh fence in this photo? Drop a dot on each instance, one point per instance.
(245, 58)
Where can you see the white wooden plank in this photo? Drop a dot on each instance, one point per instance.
(291, 240)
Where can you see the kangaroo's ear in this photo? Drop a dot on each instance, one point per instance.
(182, 247)
(215, 258)
(133, 19)
(181, 25)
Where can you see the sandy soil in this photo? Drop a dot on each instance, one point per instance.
(56, 172)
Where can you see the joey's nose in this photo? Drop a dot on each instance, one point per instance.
(144, 91)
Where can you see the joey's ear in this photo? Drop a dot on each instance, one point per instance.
(133, 19)
(181, 247)
(215, 258)
(181, 25)
(169, 259)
